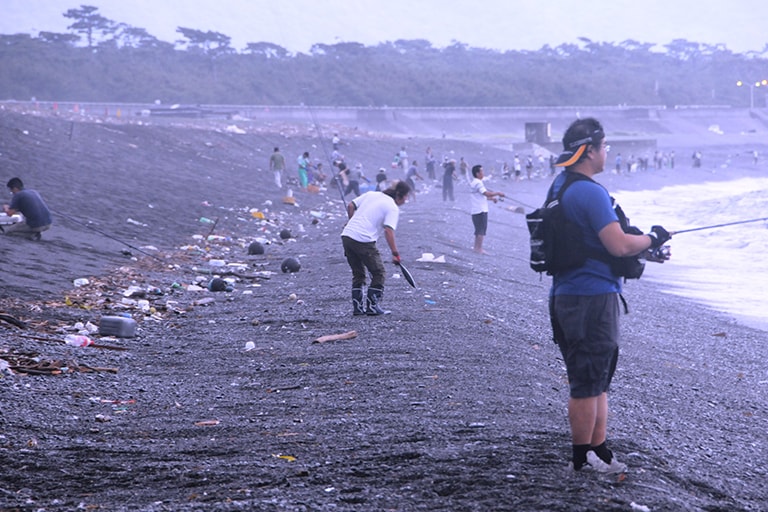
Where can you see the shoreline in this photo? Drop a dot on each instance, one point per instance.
(455, 401)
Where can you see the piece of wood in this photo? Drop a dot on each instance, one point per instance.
(336, 337)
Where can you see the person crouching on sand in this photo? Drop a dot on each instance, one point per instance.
(37, 216)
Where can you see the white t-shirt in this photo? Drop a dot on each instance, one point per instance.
(374, 211)
(478, 201)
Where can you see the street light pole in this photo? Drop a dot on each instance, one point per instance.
(752, 87)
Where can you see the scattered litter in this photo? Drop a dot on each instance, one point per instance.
(250, 346)
(336, 337)
(640, 508)
(119, 326)
(430, 258)
(77, 340)
(234, 129)
(207, 423)
(136, 223)
(82, 281)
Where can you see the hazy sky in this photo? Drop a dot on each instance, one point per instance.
(499, 24)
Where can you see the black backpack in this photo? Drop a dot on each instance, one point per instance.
(557, 244)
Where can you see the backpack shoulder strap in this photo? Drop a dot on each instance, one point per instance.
(570, 178)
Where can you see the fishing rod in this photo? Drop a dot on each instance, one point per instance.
(336, 177)
(105, 234)
(718, 225)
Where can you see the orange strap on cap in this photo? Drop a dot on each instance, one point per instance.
(574, 158)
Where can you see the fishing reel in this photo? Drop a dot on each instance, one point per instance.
(659, 254)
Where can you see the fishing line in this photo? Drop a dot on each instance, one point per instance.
(718, 225)
(105, 234)
(303, 93)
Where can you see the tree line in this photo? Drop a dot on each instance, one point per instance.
(101, 60)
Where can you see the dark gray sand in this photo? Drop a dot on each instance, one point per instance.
(454, 402)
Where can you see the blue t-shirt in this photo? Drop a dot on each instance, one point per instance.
(589, 205)
(32, 206)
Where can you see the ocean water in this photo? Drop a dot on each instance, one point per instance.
(725, 268)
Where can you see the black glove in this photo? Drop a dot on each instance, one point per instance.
(659, 236)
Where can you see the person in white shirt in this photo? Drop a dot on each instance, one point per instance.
(479, 206)
(371, 215)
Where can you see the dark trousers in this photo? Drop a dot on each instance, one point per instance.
(447, 187)
(362, 256)
(354, 186)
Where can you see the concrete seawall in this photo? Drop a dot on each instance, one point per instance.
(629, 126)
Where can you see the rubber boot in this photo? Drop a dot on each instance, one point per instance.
(358, 306)
(373, 302)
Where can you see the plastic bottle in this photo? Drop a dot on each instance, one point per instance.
(78, 340)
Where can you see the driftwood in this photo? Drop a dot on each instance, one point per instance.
(336, 337)
(32, 367)
(13, 321)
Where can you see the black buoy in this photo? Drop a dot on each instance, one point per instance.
(290, 265)
(256, 248)
(217, 284)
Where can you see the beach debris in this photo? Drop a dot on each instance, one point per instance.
(13, 321)
(81, 281)
(119, 326)
(285, 234)
(217, 284)
(255, 248)
(336, 337)
(207, 423)
(135, 222)
(430, 258)
(78, 340)
(32, 364)
(234, 129)
(249, 346)
(290, 265)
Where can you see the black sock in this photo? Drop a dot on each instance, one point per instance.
(603, 452)
(579, 455)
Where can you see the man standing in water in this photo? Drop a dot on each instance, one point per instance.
(584, 301)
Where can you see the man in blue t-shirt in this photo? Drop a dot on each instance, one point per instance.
(584, 301)
(37, 216)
